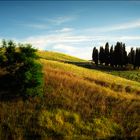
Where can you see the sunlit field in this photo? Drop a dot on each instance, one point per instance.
(58, 56)
(78, 103)
(131, 74)
(69, 70)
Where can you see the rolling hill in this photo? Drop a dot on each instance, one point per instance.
(56, 56)
(78, 103)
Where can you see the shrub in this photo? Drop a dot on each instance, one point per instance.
(30, 79)
(21, 64)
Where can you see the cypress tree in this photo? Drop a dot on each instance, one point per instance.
(136, 64)
(138, 57)
(95, 55)
(121, 54)
(118, 54)
(107, 54)
(125, 58)
(111, 61)
(102, 55)
(131, 56)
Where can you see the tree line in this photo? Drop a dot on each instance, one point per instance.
(116, 56)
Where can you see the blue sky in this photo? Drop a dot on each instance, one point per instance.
(71, 27)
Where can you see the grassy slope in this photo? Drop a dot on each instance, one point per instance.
(132, 75)
(93, 94)
(94, 75)
(78, 102)
(58, 56)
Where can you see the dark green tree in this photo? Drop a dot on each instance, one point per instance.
(131, 56)
(102, 55)
(112, 56)
(95, 55)
(10, 51)
(124, 56)
(29, 75)
(4, 44)
(29, 78)
(107, 54)
(3, 58)
(137, 58)
(21, 64)
(118, 54)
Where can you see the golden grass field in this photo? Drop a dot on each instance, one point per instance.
(78, 103)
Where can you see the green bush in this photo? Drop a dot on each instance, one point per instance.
(20, 62)
(30, 78)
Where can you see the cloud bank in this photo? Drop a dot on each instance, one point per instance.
(67, 40)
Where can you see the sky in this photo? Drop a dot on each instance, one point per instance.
(71, 27)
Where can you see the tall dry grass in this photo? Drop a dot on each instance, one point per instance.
(67, 88)
(78, 104)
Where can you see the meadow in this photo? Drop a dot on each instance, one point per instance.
(131, 74)
(78, 103)
(56, 56)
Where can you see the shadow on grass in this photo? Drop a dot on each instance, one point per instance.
(8, 88)
(91, 65)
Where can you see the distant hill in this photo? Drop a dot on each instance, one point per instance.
(78, 103)
(49, 55)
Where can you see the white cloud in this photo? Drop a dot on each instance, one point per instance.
(123, 26)
(61, 38)
(80, 52)
(64, 48)
(130, 38)
(49, 22)
(37, 26)
(68, 43)
(65, 39)
(115, 38)
(63, 43)
(84, 53)
(39, 42)
(63, 30)
(61, 19)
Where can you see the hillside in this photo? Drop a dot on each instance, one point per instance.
(131, 75)
(78, 103)
(56, 56)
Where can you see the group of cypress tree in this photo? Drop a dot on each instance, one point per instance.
(116, 56)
